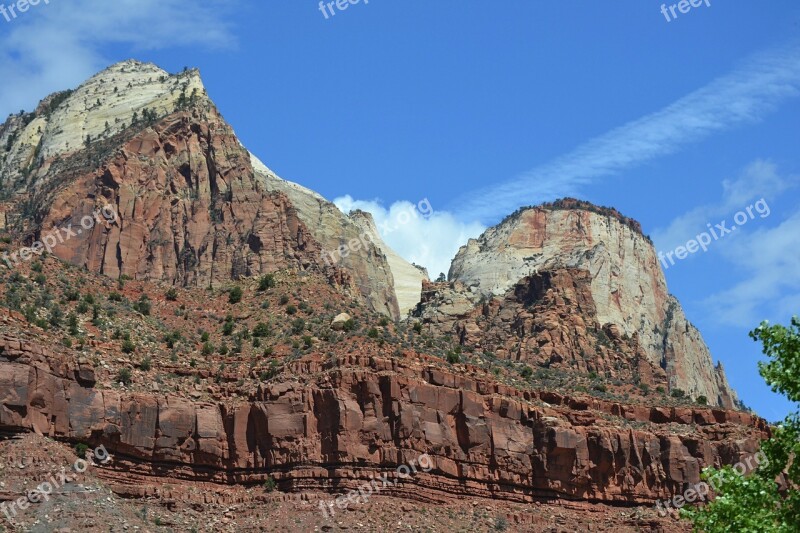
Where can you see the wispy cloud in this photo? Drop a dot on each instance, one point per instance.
(743, 96)
(59, 45)
(759, 180)
(760, 259)
(770, 289)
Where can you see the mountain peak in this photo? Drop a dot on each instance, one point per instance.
(568, 203)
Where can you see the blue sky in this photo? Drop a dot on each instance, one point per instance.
(482, 109)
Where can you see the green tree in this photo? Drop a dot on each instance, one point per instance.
(756, 503)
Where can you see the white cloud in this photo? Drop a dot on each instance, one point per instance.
(430, 239)
(769, 260)
(743, 96)
(57, 46)
(764, 254)
(759, 180)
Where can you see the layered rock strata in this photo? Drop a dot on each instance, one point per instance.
(367, 415)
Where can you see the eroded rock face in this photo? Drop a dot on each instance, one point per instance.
(368, 415)
(371, 263)
(194, 207)
(189, 210)
(627, 284)
(547, 320)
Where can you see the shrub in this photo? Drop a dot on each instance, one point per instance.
(453, 357)
(291, 309)
(115, 297)
(235, 295)
(128, 346)
(208, 348)
(56, 316)
(373, 333)
(308, 341)
(261, 330)
(527, 372)
(146, 364)
(677, 393)
(124, 376)
(72, 295)
(227, 328)
(270, 484)
(143, 305)
(284, 299)
(702, 400)
(418, 327)
(171, 295)
(81, 449)
(72, 324)
(298, 325)
(266, 282)
(170, 339)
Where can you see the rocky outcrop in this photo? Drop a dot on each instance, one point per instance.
(627, 284)
(108, 103)
(365, 416)
(194, 207)
(547, 320)
(408, 278)
(368, 261)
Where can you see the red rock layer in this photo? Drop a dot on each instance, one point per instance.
(367, 415)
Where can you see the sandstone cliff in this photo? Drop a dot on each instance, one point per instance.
(195, 208)
(628, 288)
(363, 416)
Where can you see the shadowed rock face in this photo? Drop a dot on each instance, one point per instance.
(627, 285)
(368, 415)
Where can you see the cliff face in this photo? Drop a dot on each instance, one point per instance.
(363, 416)
(195, 208)
(408, 278)
(628, 288)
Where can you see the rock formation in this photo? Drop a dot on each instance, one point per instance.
(628, 288)
(540, 372)
(195, 208)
